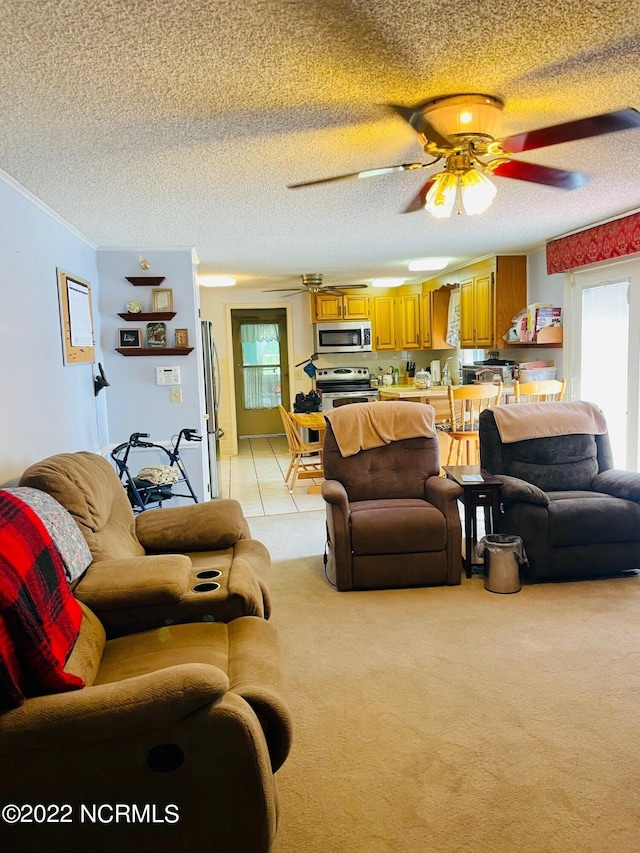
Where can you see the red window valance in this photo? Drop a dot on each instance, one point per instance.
(600, 243)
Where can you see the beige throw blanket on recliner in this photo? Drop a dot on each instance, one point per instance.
(523, 421)
(362, 426)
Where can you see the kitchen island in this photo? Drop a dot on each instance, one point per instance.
(408, 392)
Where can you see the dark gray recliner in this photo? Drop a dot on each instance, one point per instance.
(578, 517)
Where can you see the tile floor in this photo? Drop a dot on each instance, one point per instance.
(255, 478)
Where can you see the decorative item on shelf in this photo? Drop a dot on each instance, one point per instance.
(156, 335)
(134, 307)
(162, 300)
(129, 337)
(181, 338)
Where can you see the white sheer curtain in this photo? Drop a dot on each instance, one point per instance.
(251, 333)
(261, 365)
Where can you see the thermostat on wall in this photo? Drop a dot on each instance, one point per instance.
(167, 375)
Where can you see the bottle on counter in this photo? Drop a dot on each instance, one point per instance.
(396, 375)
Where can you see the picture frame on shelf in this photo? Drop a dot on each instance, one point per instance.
(181, 338)
(156, 335)
(130, 338)
(162, 299)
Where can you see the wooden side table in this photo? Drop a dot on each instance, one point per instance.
(479, 489)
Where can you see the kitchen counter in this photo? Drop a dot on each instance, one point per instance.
(408, 392)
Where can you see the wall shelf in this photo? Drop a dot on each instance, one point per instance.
(145, 280)
(149, 315)
(138, 351)
(529, 345)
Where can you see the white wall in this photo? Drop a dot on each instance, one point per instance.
(135, 402)
(47, 407)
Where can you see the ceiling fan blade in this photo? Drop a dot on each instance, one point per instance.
(541, 175)
(418, 202)
(285, 290)
(572, 130)
(338, 288)
(365, 173)
(419, 123)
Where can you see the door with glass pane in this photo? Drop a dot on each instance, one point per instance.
(605, 361)
(261, 369)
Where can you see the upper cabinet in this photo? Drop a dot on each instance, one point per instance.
(398, 322)
(492, 293)
(339, 306)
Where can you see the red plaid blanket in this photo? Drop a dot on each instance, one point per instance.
(39, 617)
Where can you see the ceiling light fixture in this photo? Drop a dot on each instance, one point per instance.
(387, 282)
(216, 281)
(422, 264)
(461, 184)
(470, 123)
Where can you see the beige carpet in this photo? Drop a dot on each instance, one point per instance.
(451, 719)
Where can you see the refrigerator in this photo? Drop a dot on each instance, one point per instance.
(211, 377)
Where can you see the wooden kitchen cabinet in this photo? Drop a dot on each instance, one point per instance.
(476, 312)
(492, 292)
(340, 306)
(425, 305)
(410, 326)
(384, 323)
(397, 322)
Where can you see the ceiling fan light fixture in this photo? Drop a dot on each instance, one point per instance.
(442, 195)
(477, 192)
(463, 115)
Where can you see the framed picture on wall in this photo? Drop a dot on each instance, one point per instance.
(156, 334)
(129, 338)
(162, 300)
(181, 338)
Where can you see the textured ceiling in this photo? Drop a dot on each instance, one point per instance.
(154, 123)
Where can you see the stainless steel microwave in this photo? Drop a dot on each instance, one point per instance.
(350, 336)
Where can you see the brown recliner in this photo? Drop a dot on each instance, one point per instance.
(172, 744)
(162, 566)
(392, 521)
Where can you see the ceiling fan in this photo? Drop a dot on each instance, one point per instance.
(313, 283)
(462, 130)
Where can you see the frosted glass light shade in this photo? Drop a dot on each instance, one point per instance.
(442, 195)
(477, 192)
(461, 115)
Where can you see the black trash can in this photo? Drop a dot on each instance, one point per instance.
(503, 555)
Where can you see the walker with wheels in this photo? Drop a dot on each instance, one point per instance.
(154, 484)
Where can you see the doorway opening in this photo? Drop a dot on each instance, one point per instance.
(260, 368)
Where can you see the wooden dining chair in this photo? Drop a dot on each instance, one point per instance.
(306, 456)
(465, 404)
(539, 391)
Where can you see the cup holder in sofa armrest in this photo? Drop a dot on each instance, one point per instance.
(206, 587)
(209, 574)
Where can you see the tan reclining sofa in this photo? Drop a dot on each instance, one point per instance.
(164, 566)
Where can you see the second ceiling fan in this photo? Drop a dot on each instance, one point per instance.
(313, 282)
(461, 130)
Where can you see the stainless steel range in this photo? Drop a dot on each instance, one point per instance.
(342, 385)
